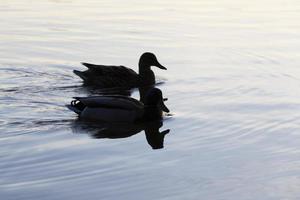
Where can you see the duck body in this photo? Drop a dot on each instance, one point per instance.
(109, 76)
(118, 108)
(108, 108)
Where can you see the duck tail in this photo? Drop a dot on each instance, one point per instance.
(76, 106)
(80, 74)
(88, 65)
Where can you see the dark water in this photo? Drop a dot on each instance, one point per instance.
(232, 83)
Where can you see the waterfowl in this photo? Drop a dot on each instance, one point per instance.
(108, 76)
(118, 108)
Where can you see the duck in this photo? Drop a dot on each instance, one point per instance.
(118, 108)
(109, 76)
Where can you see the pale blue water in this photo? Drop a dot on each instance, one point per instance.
(232, 82)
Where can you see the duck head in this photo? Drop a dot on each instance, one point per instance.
(149, 59)
(154, 104)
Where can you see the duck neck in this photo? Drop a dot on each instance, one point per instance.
(144, 67)
(146, 74)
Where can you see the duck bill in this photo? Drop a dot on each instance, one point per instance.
(160, 66)
(164, 107)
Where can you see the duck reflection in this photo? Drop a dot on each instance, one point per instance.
(154, 136)
(143, 92)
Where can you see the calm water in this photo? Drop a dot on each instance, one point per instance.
(233, 86)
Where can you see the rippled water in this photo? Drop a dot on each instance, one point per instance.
(232, 83)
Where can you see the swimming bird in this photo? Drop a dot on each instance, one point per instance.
(118, 108)
(108, 76)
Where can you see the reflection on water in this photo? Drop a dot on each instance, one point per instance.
(155, 138)
(232, 82)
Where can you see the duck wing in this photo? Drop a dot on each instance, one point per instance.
(112, 101)
(110, 69)
(108, 76)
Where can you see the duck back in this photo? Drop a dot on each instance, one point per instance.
(110, 115)
(111, 101)
(108, 76)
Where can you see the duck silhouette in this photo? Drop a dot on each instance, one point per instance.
(118, 108)
(108, 76)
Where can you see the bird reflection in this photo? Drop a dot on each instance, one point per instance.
(154, 136)
(143, 91)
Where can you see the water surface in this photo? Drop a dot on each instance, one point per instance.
(232, 83)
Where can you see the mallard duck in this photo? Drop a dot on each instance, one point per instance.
(108, 76)
(118, 108)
